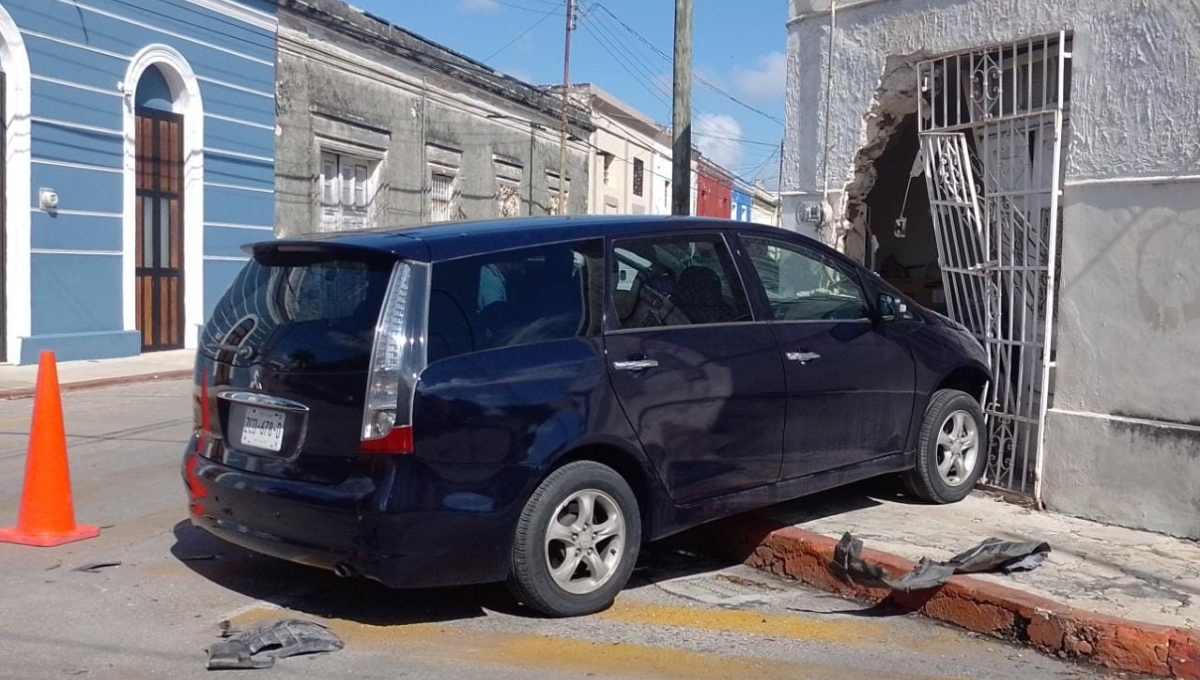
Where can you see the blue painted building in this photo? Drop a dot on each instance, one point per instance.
(741, 202)
(139, 141)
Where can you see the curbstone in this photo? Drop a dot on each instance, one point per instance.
(976, 605)
(79, 385)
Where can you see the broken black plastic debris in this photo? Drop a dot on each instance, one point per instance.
(261, 645)
(95, 567)
(992, 555)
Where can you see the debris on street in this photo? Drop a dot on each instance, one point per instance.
(260, 645)
(992, 555)
(95, 567)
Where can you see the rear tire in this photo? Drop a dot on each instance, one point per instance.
(952, 450)
(577, 541)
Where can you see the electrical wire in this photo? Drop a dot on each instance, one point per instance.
(619, 59)
(520, 35)
(702, 80)
(773, 145)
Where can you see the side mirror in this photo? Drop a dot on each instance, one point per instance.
(891, 309)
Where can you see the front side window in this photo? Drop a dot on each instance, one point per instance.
(516, 297)
(676, 281)
(801, 285)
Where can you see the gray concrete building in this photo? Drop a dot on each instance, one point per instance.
(378, 126)
(1031, 168)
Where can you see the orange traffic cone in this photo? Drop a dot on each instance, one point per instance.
(47, 515)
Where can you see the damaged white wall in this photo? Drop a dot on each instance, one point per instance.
(1123, 437)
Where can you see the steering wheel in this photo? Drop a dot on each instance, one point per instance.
(652, 302)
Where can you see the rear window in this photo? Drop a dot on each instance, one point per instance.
(300, 315)
(516, 297)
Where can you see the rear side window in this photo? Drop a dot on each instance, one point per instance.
(515, 297)
(676, 281)
(300, 315)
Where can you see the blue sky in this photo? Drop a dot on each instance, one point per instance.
(739, 48)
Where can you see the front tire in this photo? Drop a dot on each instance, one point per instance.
(952, 450)
(577, 541)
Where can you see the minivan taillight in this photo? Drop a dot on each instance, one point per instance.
(397, 360)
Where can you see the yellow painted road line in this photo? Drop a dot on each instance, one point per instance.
(551, 653)
(831, 629)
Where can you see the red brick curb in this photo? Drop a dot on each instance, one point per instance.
(27, 392)
(970, 603)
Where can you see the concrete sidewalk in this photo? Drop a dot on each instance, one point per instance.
(1118, 597)
(18, 382)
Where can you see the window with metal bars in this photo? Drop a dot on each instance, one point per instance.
(346, 192)
(558, 194)
(639, 177)
(441, 196)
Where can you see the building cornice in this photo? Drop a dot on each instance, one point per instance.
(235, 10)
(297, 44)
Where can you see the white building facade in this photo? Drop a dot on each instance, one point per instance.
(1031, 168)
(627, 157)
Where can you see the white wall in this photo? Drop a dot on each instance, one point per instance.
(1135, 108)
(626, 145)
(661, 179)
(1123, 431)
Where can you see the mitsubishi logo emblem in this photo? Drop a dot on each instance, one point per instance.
(255, 374)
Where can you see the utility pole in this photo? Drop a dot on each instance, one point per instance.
(681, 119)
(566, 98)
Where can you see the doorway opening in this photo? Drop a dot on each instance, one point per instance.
(903, 247)
(159, 211)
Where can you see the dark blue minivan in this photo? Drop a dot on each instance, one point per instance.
(532, 400)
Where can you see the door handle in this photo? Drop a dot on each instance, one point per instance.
(803, 357)
(635, 365)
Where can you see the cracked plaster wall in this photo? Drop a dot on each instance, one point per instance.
(1129, 328)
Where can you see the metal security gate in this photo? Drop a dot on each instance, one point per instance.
(992, 139)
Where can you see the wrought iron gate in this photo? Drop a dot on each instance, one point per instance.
(992, 139)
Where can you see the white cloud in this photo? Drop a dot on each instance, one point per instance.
(766, 81)
(716, 136)
(478, 6)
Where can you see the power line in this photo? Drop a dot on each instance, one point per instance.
(619, 59)
(754, 142)
(702, 80)
(634, 57)
(522, 34)
(629, 56)
(550, 3)
(270, 44)
(509, 3)
(618, 36)
(757, 172)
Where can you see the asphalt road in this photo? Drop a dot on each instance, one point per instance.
(153, 615)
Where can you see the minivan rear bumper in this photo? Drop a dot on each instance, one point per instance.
(394, 521)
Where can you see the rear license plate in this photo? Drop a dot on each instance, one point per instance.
(263, 428)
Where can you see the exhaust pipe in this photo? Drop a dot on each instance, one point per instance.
(344, 570)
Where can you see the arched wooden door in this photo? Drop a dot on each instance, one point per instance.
(159, 250)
